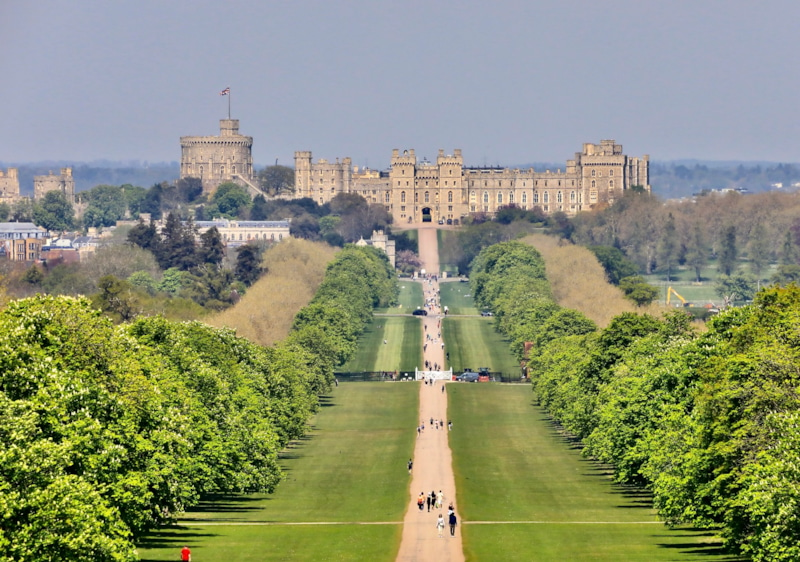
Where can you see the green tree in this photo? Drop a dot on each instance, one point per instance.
(231, 200)
(118, 298)
(5, 212)
(728, 251)
(248, 263)
(638, 290)
(276, 180)
(668, 247)
(614, 262)
(260, 210)
(786, 274)
(107, 205)
(696, 252)
(177, 246)
(54, 212)
(211, 250)
(758, 251)
(739, 287)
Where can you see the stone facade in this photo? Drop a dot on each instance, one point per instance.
(236, 233)
(382, 242)
(215, 160)
(9, 186)
(63, 182)
(415, 191)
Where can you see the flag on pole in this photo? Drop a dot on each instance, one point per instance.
(225, 92)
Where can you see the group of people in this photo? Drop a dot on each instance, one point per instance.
(435, 500)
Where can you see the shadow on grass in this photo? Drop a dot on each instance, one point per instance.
(224, 504)
(172, 538)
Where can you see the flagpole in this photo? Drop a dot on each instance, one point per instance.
(229, 104)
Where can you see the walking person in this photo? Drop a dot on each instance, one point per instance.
(439, 500)
(410, 462)
(452, 521)
(440, 525)
(421, 501)
(186, 554)
(428, 501)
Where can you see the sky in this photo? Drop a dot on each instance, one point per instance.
(509, 82)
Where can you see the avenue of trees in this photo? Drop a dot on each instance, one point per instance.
(709, 422)
(110, 431)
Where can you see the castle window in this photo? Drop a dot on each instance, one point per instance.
(560, 197)
(233, 169)
(499, 198)
(611, 173)
(450, 208)
(524, 198)
(472, 208)
(572, 196)
(610, 183)
(416, 197)
(402, 208)
(535, 197)
(485, 196)
(594, 183)
(510, 196)
(386, 198)
(402, 196)
(222, 170)
(472, 196)
(594, 173)
(201, 171)
(427, 197)
(546, 197)
(449, 196)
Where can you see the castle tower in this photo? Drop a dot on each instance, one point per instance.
(63, 182)
(215, 160)
(9, 186)
(402, 182)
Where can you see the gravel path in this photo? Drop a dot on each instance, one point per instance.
(433, 470)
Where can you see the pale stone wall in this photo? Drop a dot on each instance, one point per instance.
(446, 189)
(63, 182)
(9, 186)
(218, 159)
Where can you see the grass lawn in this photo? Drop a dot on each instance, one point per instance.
(447, 241)
(473, 342)
(409, 298)
(350, 468)
(401, 352)
(457, 297)
(511, 464)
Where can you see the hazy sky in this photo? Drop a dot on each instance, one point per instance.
(508, 82)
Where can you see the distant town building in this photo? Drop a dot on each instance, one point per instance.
(381, 241)
(418, 191)
(9, 186)
(215, 160)
(64, 182)
(21, 241)
(237, 233)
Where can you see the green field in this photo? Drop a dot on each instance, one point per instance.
(350, 468)
(409, 298)
(401, 352)
(472, 342)
(512, 464)
(456, 296)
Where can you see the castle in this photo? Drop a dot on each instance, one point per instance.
(64, 182)
(9, 185)
(215, 160)
(446, 190)
(420, 191)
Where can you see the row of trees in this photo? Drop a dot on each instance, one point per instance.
(358, 280)
(109, 431)
(709, 422)
(509, 279)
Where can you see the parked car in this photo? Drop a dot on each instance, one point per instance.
(487, 313)
(468, 377)
(420, 312)
(449, 221)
